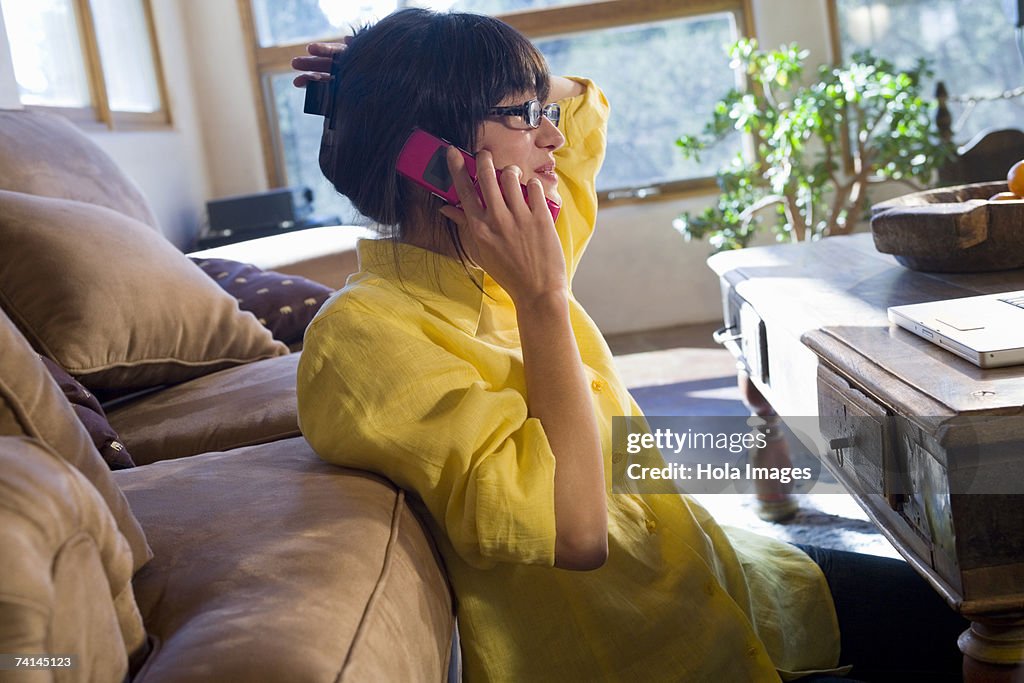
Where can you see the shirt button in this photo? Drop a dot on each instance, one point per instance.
(650, 524)
(751, 651)
(618, 456)
(597, 385)
(709, 587)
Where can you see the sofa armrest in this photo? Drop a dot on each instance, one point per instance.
(326, 255)
(272, 565)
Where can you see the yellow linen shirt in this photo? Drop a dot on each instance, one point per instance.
(412, 372)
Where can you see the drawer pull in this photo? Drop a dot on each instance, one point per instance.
(838, 446)
(726, 334)
(840, 443)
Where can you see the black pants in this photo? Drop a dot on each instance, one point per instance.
(892, 625)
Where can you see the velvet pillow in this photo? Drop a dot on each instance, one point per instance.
(113, 302)
(284, 304)
(90, 413)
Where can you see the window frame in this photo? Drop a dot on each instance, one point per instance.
(265, 62)
(99, 114)
(836, 55)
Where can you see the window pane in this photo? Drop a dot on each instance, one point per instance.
(970, 42)
(47, 53)
(490, 6)
(300, 139)
(674, 73)
(126, 54)
(280, 22)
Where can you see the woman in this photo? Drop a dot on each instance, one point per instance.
(457, 363)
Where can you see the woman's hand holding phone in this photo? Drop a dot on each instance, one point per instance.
(513, 240)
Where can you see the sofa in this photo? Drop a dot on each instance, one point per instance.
(161, 516)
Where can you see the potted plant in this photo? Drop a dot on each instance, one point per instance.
(796, 182)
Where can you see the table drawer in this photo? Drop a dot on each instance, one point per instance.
(744, 334)
(857, 430)
(863, 441)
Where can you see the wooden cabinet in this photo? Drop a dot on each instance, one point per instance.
(931, 446)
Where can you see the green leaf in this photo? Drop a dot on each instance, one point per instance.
(882, 108)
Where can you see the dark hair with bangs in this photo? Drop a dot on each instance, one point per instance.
(441, 72)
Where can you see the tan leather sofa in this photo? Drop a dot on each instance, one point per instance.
(231, 553)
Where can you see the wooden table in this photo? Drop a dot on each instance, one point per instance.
(930, 445)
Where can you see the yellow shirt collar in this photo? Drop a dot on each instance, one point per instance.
(439, 282)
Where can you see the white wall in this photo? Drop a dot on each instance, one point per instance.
(638, 273)
(221, 86)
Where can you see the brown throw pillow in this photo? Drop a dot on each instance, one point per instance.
(65, 569)
(31, 404)
(284, 304)
(90, 413)
(113, 302)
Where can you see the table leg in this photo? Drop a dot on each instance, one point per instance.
(993, 650)
(775, 502)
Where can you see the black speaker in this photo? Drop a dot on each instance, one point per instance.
(279, 208)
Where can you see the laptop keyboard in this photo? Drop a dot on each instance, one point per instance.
(1017, 301)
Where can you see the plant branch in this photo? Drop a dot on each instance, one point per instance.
(839, 201)
(830, 166)
(748, 213)
(796, 221)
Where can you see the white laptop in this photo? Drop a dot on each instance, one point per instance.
(987, 330)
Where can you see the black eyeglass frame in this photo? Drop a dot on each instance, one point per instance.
(531, 112)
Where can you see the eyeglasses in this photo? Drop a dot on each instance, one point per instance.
(531, 112)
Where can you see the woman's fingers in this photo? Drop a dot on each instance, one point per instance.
(487, 180)
(463, 183)
(455, 215)
(512, 188)
(314, 64)
(328, 49)
(318, 62)
(537, 200)
(302, 80)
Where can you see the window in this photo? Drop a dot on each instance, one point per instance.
(971, 45)
(675, 69)
(94, 60)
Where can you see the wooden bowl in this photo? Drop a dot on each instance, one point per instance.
(952, 229)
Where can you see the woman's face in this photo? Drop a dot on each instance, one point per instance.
(512, 142)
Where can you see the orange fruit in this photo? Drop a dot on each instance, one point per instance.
(1004, 197)
(1015, 178)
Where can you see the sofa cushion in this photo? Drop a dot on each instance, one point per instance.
(326, 255)
(242, 406)
(47, 155)
(65, 569)
(273, 565)
(114, 302)
(90, 414)
(284, 304)
(32, 405)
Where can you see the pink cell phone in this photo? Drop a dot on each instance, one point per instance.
(423, 160)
